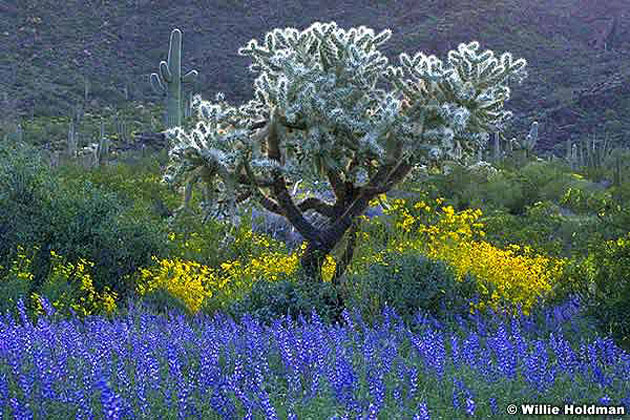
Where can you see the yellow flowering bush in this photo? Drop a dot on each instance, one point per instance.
(70, 285)
(67, 285)
(516, 275)
(187, 281)
(195, 284)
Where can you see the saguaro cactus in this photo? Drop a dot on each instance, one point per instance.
(532, 138)
(102, 149)
(86, 89)
(170, 80)
(19, 133)
(122, 129)
(72, 139)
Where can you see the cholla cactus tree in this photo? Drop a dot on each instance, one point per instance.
(320, 109)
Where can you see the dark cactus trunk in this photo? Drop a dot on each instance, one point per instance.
(312, 261)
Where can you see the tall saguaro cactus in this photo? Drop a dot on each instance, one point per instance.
(170, 79)
(102, 148)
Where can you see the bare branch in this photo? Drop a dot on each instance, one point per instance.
(348, 253)
(270, 205)
(337, 185)
(313, 203)
(279, 186)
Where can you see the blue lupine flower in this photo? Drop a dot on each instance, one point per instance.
(537, 370)
(111, 402)
(21, 411)
(265, 402)
(377, 390)
(423, 412)
(470, 406)
(494, 408)
(456, 405)
(413, 382)
(211, 360)
(504, 351)
(455, 351)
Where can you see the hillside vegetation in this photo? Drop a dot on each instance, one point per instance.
(578, 51)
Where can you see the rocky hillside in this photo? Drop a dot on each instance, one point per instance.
(578, 50)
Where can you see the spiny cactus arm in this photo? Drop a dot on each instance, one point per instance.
(165, 72)
(260, 196)
(157, 84)
(173, 69)
(463, 98)
(190, 76)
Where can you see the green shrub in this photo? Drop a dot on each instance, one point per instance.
(159, 301)
(603, 278)
(408, 283)
(269, 300)
(15, 282)
(73, 217)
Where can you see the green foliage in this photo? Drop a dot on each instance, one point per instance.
(15, 281)
(269, 300)
(510, 188)
(603, 279)
(73, 217)
(408, 283)
(159, 301)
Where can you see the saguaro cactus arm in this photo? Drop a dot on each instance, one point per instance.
(190, 76)
(157, 84)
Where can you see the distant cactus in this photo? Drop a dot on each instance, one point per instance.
(122, 129)
(170, 79)
(19, 133)
(590, 153)
(497, 152)
(72, 139)
(102, 150)
(79, 112)
(188, 105)
(597, 152)
(531, 139)
(86, 89)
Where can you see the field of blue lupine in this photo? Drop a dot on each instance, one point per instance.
(149, 366)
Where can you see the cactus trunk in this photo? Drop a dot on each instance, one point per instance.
(170, 79)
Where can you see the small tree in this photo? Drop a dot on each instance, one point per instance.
(327, 104)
